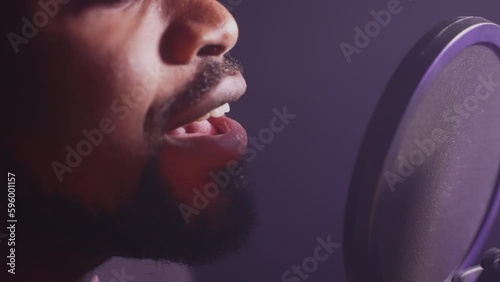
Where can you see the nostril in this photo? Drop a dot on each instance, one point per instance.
(211, 50)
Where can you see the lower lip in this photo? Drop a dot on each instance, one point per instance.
(220, 138)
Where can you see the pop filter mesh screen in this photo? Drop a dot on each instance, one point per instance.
(442, 170)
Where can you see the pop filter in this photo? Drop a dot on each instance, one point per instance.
(425, 188)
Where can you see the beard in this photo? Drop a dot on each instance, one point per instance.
(157, 224)
(151, 225)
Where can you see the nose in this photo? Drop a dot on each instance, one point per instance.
(198, 28)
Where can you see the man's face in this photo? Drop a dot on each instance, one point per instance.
(107, 97)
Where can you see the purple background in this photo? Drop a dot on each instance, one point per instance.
(290, 50)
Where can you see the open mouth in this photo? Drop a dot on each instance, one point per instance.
(205, 130)
(214, 135)
(209, 124)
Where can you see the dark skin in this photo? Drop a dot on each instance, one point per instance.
(80, 69)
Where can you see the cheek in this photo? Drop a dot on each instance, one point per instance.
(97, 86)
(91, 121)
(113, 109)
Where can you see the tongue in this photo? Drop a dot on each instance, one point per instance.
(196, 128)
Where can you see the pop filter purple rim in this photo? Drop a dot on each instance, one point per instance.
(435, 49)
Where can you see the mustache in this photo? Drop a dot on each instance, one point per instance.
(207, 77)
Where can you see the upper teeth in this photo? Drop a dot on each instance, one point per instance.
(217, 112)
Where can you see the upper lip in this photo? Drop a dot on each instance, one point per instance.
(230, 89)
